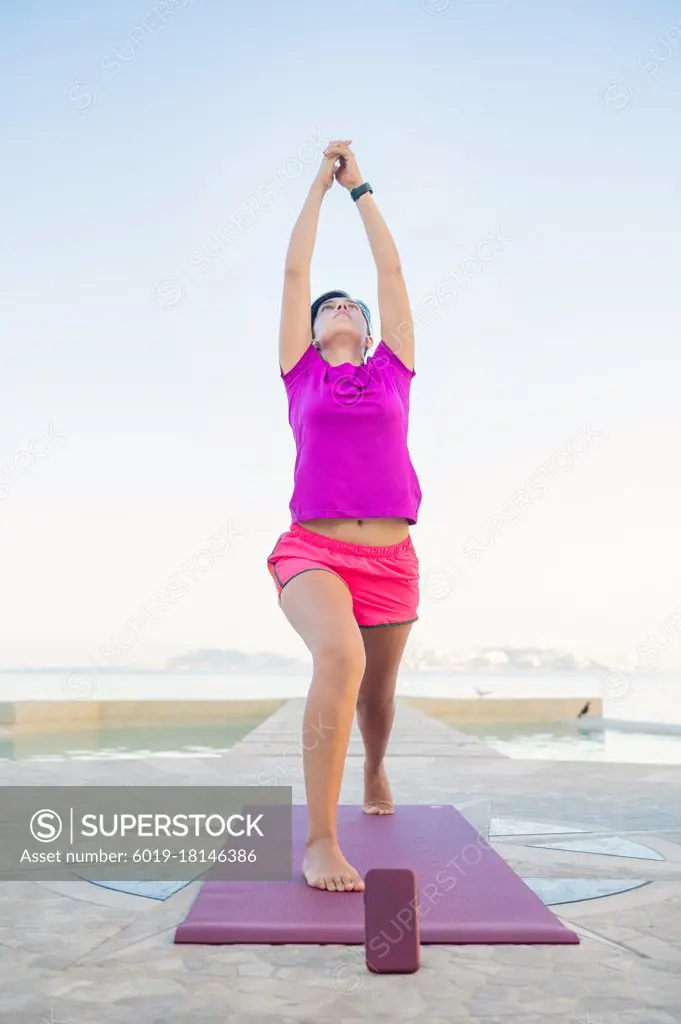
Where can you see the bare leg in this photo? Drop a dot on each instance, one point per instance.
(384, 647)
(319, 607)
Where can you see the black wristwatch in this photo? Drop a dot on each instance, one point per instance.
(359, 190)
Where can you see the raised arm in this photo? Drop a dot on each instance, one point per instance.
(397, 324)
(295, 333)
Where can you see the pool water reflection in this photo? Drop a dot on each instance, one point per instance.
(567, 742)
(184, 740)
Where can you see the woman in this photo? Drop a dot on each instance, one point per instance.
(355, 496)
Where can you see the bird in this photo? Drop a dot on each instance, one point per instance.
(481, 693)
(585, 710)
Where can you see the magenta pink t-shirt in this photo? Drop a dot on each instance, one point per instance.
(350, 425)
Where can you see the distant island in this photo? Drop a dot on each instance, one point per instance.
(501, 661)
(484, 661)
(210, 659)
(490, 660)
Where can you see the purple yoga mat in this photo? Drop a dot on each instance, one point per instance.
(466, 892)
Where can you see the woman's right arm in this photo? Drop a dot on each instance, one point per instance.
(295, 333)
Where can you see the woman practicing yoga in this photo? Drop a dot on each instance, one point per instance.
(355, 496)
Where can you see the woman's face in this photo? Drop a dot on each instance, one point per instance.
(339, 316)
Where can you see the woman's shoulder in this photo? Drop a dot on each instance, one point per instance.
(309, 357)
(385, 357)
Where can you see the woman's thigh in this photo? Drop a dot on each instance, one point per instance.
(384, 647)
(319, 606)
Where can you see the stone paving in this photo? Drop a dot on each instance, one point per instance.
(75, 953)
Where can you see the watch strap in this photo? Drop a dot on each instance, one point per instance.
(359, 190)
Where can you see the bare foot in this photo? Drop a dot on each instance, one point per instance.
(377, 796)
(325, 867)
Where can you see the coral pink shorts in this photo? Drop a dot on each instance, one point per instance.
(383, 581)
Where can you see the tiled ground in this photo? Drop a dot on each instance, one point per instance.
(76, 953)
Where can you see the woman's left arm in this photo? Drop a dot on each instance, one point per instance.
(397, 325)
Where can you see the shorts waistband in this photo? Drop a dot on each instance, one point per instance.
(320, 541)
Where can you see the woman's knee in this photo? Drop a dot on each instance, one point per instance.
(342, 656)
(378, 688)
(380, 703)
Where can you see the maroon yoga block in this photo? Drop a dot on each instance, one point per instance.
(391, 922)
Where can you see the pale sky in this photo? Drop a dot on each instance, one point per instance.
(528, 151)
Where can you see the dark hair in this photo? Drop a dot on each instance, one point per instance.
(318, 303)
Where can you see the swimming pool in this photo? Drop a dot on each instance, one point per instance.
(558, 742)
(555, 742)
(126, 742)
